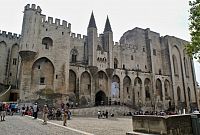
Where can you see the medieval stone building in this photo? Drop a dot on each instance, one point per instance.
(50, 62)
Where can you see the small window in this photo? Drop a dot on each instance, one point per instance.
(14, 61)
(39, 67)
(56, 76)
(131, 57)
(10, 74)
(160, 72)
(143, 49)
(42, 80)
(154, 52)
(62, 33)
(123, 66)
(127, 90)
(145, 66)
(89, 86)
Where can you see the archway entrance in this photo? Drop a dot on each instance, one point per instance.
(100, 98)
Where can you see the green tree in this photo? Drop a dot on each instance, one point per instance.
(193, 48)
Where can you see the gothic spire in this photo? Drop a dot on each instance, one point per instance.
(107, 26)
(92, 23)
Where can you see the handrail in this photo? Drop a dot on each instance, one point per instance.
(6, 91)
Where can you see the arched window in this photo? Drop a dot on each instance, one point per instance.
(47, 42)
(74, 54)
(175, 65)
(115, 63)
(179, 94)
(189, 95)
(159, 89)
(186, 67)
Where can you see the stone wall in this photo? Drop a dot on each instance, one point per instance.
(165, 125)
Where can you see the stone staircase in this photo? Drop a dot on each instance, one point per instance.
(117, 110)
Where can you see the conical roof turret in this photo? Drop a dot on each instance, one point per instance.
(107, 26)
(92, 23)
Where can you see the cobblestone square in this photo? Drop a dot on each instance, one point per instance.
(18, 125)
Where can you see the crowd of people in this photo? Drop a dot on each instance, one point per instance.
(7, 109)
(62, 113)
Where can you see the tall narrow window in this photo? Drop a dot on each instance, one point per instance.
(175, 65)
(131, 57)
(154, 52)
(14, 61)
(115, 63)
(74, 53)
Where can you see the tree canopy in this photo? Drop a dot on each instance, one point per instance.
(193, 48)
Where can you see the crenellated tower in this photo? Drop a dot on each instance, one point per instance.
(30, 31)
(92, 41)
(108, 42)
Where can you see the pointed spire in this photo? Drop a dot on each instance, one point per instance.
(92, 23)
(107, 26)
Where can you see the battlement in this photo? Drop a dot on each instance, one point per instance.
(56, 22)
(33, 7)
(78, 36)
(9, 35)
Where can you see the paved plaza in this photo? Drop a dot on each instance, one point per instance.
(18, 125)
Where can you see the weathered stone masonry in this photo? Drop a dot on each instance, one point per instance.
(144, 70)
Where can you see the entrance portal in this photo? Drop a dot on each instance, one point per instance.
(100, 98)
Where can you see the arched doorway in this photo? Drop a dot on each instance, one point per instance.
(100, 98)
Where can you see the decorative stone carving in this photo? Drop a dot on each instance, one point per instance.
(93, 70)
(109, 72)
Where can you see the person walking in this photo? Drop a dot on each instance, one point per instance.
(45, 113)
(35, 110)
(3, 112)
(65, 117)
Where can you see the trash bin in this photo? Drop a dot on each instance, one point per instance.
(195, 124)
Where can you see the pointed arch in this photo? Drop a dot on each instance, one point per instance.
(72, 82)
(115, 63)
(3, 59)
(85, 84)
(168, 93)
(159, 89)
(189, 94)
(178, 94)
(102, 82)
(138, 89)
(175, 64)
(42, 73)
(127, 92)
(186, 67)
(14, 64)
(115, 88)
(148, 89)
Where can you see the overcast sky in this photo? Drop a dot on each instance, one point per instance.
(167, 17)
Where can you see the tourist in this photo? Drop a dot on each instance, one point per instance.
(3, 112)
(23, 110)
(106, 114)
(1, 109)
(45, 113)
(65, 117)
(35, 110)
(99, 114)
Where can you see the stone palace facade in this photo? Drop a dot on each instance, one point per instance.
(49, 62)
